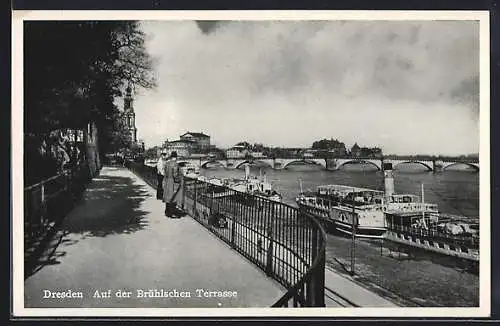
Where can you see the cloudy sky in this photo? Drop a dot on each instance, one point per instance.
(408, 87)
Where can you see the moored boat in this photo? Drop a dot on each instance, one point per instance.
(344, 206)
(402, 218)
(235, 187)
(253, 185)
(188, 169)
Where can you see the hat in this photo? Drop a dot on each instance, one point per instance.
(173, 154)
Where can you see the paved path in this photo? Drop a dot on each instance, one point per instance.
(341, 290)
(356, 295)
(117, 239)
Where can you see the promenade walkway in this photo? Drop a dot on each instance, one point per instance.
(118, 238)
(348, 293)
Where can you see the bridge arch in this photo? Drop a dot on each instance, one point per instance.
(183, 161)
(252, 161)
(204, 163)
(358, 161)
(313, 162)
(430, 168)
(475, 167)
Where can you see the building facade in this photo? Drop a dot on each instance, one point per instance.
(257, 154)
(184, 148)
(339, 151)
(366, 152)
(199, 140)
(355, 150)
(237, 151)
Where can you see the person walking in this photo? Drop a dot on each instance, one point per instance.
(160, 170)
(170, 171)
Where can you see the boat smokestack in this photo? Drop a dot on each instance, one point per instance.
(247, 171)
(388, 180)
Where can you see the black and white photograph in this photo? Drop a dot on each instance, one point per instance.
(289, 163)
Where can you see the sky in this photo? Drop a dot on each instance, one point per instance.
(406, 86)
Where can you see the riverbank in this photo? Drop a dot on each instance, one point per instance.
(419, 281)
(407, 280)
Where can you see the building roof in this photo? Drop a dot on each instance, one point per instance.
(236, 148)
(182, 141)
(355, 146)
(196, 134)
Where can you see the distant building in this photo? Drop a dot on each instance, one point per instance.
(198, 155)
(183, 148)
(294, 152)
(238, 151)
(256, 154)
(355, 150)
(330, 147)
(309, 153)
(373, 152)
(366, 152)
(339, 151)
(199, 139)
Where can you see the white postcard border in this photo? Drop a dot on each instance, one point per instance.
(17, 163)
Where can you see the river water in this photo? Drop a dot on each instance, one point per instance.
(456, 191)
(422, 281)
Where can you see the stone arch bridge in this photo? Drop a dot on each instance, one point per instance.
(329, 164)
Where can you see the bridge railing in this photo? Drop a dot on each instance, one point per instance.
(288, 244)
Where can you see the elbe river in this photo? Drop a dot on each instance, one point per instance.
(455, 190)
(424, 281)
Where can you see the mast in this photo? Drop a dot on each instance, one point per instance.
(300, 184)
(423, 207)
(353, 235)
(247, 171)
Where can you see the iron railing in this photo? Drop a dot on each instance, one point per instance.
(285, 242)
(47, 201)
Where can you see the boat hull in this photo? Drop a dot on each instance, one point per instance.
(343, 227)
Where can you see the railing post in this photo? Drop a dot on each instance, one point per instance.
(183, 189)
(311, 285)
(210, 207)
(270, 248)
(233, 211)
(195, 196)
(316, 286)
(42, 203)
(319, 299)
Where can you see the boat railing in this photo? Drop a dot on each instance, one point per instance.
(288, 244)
(413, 207)
(434, 233)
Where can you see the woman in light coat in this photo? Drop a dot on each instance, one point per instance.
(170, 170)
